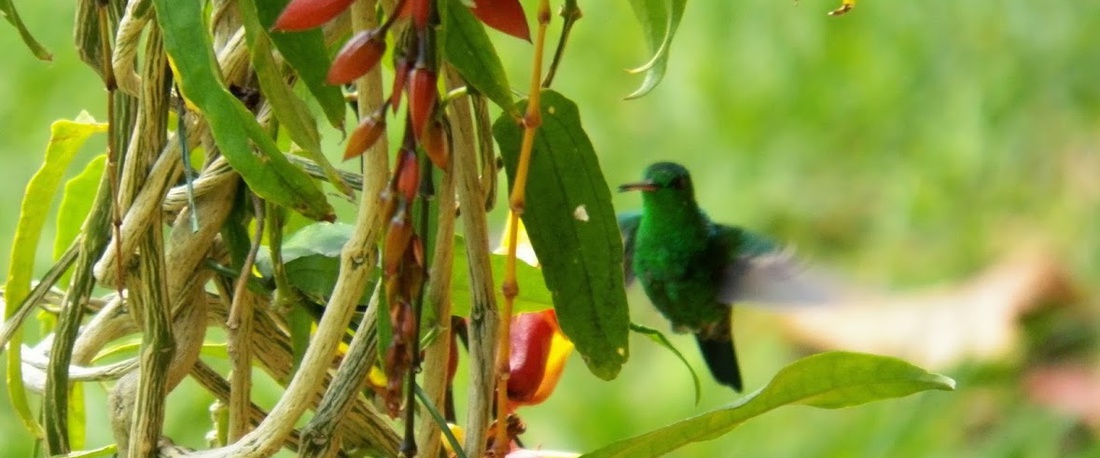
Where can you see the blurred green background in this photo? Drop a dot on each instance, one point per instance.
(905, 144)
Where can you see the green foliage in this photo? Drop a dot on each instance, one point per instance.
(76, 203)
(829, 380)
(291, 111)
(269, 174)
(7, 9)
(468, 48)
(305, 53)
(66, 138)
(659, 338)
(659, 19)
(573, 230)
(312, 260)
(533, 295)
(855, 138)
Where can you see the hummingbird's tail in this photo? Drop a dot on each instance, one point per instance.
(716, 343)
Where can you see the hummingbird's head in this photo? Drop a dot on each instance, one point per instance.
(663, 180)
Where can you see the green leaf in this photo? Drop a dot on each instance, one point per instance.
(7, 9)
(242, 140)
(572, 226)
(533, 295)
(66, 138)
(106, 450)
(660, 339)
(305, 52)
(291, 111)
(468, 48)
(312, 260)
(828, 380)
(78, 417)
(76, 203)
(659, 20)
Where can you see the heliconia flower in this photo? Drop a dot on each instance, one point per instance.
(307, 14)
(422, 97)
(369, 130)
(504, 15)
(358, 56)
(436, 145)
(537, 357)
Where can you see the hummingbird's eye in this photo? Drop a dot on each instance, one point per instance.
(680, 182)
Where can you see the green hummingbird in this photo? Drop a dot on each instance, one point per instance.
(693, 269)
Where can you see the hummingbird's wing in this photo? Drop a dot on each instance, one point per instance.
(628, 227)
(762, 271)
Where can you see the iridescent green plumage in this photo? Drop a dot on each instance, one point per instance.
(692, 269)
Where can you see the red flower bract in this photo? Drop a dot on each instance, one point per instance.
(307, 14)
(358, 56)
(422, 97)
(504, 15)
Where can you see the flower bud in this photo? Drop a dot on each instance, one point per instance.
(397, 239)
(307, 14)
(422, 98)
(408, 174)
(366, 134)
(436, 145)
(504, 15)
(358, 56)
(401, 69)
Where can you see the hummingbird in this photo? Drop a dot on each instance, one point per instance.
(693, 269)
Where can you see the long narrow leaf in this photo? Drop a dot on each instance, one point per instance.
(468, 48)
(305, 52)
(659, 338)
(235, 130)
(659, 20)
(828, 380)
(291, 111)
(66, 138)
(7, 9)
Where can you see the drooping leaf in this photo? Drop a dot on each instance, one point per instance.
(291, 111)
(572, 226)
(828, 380)
(66, 138)
(659, 338)
(235, 130)
(7, 9)
(468, 48)
(305, 52)
(76, 203)
(659, 20)
(504, 15)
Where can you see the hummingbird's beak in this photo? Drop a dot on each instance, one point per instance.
(639, 186)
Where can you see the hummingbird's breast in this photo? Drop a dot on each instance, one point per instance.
(678, 274)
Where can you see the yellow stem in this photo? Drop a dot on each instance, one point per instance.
(510, 287)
